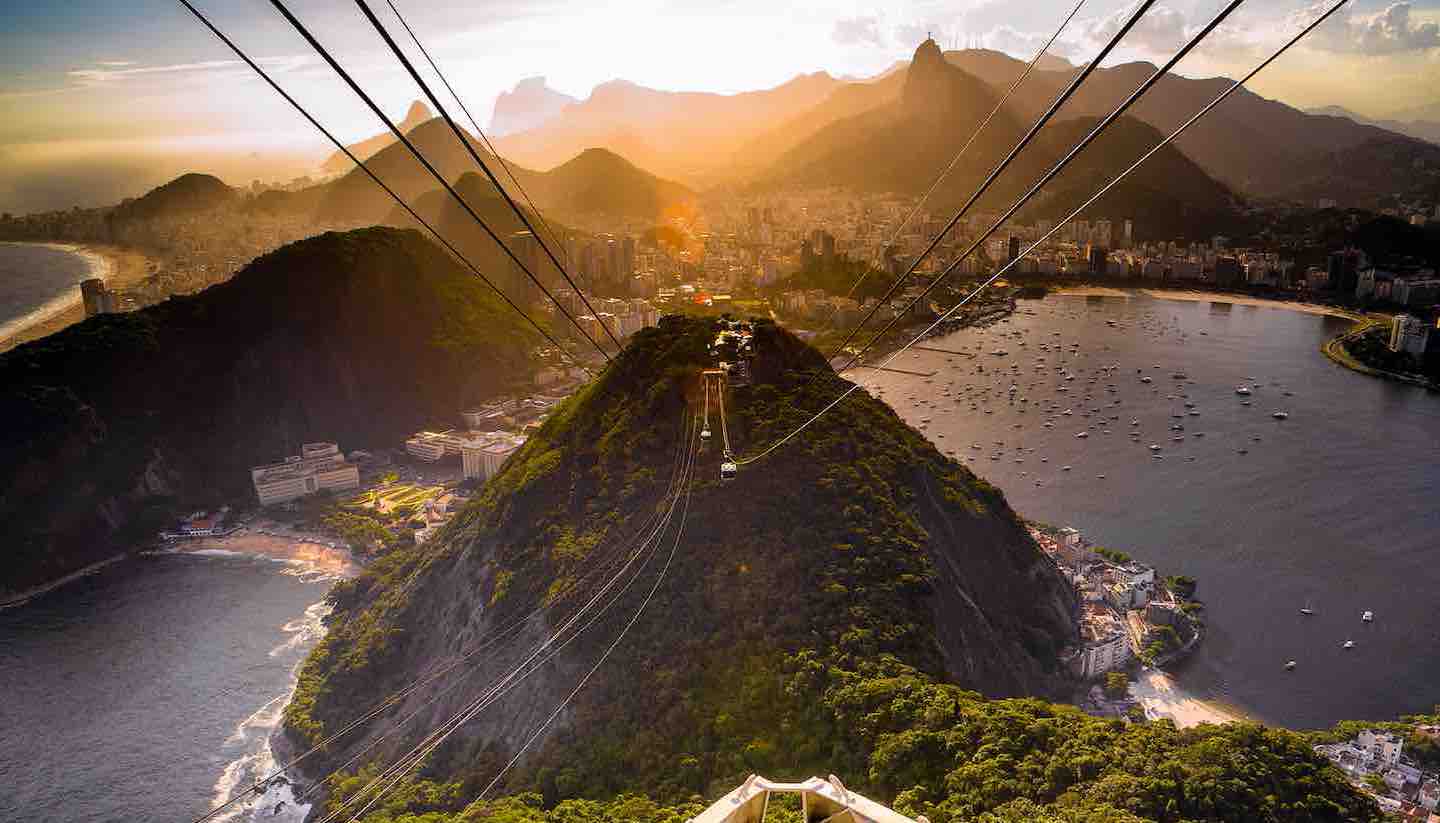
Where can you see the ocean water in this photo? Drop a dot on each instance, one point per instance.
(36, 281)
(148, 690)
(1334, 508)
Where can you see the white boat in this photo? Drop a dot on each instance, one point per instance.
(1348, 644)
(1290, 665)
(1368, 617)
(1307, 611)
(1279, 415)
(1242, 390)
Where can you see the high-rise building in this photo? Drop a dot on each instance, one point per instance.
(1227, 271)
(1409, 334)
(1129, 238)
(1098, 260)
(526, 249)
(97, 297)
(1014, 249)
(1102, 234)
(1343, 271)
(627, 255)
(827, 246)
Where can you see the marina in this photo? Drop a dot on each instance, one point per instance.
(1172, 459)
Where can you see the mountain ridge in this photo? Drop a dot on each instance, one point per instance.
(358, 337)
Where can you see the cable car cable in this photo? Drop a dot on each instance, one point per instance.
(424, 161)
(485, 167)
(995, 173)
(1055, 170)
(479, 131)
(945, 172)
(264, 75)
(1106, 188)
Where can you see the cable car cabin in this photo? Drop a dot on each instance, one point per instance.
(704, 434)
(728, 470)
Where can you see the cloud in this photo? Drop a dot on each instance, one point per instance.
(1389, 31)
(850, 31)
(112, 72)
(1024, 44)
(116, 64)
(1160, 31)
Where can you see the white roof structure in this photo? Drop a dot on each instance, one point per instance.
(821, 800)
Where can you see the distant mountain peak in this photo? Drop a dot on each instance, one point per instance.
(530, 104)
(417, 114)
(927, 55)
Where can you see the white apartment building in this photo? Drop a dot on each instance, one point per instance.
(1381, 749)
(1105, 646)
(482, 457)
(1409, 334)
(318, 466)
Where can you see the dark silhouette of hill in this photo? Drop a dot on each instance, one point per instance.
(1257, 147)
(114, 424)
(593, 182)
(186, 194)
(902, 145)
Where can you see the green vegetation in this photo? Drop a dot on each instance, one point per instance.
(357, 337)
(1116, 685)
(1113, 555)
(1182, 585)
(778, 644)
(836, 275)
(951, 755)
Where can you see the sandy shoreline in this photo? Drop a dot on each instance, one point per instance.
(120, 268)
(313, 554)
(1161, 696)
(1193, 296)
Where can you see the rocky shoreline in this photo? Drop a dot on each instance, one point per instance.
(11, 599)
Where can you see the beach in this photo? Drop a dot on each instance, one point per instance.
(120, 268)
(1160, 696)
(313, 554)
(1194, 296)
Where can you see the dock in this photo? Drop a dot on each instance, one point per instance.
(900, 371)
(944, 351)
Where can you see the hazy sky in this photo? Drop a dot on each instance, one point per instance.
(102, 84)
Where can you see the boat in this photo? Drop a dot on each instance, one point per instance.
(1243, 391)
(1348, 644)
(1368, 617)
(1290, 665)
(1279, 415)
(1307, 611)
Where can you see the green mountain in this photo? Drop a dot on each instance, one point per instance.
(113, 424)
(185, 195)
(901, 145)
(596, 181)
(1256, 146)
(856, 603)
